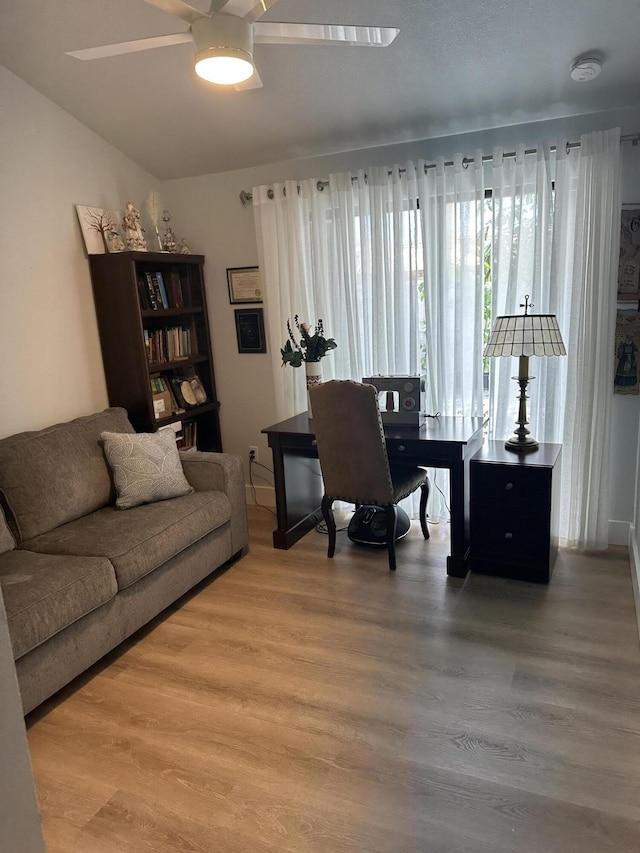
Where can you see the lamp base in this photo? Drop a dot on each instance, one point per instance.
(521, 441)
(521, 445)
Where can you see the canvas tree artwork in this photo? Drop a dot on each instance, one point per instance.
(100, 230)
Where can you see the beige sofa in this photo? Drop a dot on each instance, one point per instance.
(78, 575)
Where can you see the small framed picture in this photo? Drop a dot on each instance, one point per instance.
(629, 263)
(189, 391)
(245, 284)
(250, 330)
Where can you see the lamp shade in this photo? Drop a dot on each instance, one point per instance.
(525, 334)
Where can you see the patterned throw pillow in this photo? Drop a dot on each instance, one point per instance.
(146, 467)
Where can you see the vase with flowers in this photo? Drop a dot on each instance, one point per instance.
(307, 349)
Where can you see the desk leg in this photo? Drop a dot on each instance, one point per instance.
(298, 486)
(459, 474)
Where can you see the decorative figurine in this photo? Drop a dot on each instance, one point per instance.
(184, 247)
(115, 241)
(169, 238)
(133, 230)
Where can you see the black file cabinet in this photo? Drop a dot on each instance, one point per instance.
(514, 511)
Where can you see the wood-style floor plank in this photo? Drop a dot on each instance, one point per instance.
(306, 705)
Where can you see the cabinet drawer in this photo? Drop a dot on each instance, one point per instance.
(524, 539)
(507, 486)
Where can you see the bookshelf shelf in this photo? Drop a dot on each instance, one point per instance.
(160, 366)
(153, 323)
(169, 312)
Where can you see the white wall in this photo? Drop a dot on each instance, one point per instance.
(207, 209)
(49, 347)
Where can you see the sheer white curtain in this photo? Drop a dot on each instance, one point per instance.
(452, 205)
(345, 253)
(394, 264)
(590, 192)
(555, 220)
(525, 249)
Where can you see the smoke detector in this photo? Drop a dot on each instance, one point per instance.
(585, 68)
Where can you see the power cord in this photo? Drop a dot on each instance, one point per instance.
(253, 462)
(321, 527)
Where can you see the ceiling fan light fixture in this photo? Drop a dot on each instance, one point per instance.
(224, 49)
(224, 66)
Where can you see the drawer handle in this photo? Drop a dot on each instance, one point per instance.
(401, 448)
(508, 535)
(314, 442)
(508, 487)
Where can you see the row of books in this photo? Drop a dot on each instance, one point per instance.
(188, 439)
(164, 345)
(185, 433)
(160, 290)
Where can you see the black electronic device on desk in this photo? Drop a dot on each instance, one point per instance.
(401, 399)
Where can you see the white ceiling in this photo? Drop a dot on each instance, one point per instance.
(456, 66)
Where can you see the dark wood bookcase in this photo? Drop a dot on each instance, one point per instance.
(126, 318)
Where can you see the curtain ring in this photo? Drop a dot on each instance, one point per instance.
(465, 163)
(320, 186)
(567, 148)
(270, 194)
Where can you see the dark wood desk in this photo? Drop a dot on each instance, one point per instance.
(442, 442)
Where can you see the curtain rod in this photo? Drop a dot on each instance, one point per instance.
(633, 138)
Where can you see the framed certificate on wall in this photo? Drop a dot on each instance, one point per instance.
(245, 284)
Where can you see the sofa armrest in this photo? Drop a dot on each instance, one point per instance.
(222, 472)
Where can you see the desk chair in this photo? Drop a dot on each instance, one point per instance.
(353, 458)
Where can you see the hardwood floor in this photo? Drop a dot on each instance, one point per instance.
(301, 704)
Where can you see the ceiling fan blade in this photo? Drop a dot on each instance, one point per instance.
(267, 32)
(250, 10)
(258, 9)
(102, 51)
(179, 8)
(254, 82)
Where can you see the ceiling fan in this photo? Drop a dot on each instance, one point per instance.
(224, 36)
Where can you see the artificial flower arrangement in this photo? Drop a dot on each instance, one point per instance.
(310, 347)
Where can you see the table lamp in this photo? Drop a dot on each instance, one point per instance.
(524, 335)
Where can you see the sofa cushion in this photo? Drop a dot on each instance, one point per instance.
(57, 474)
(141, 539)
(7, 542)
(44, 593)
(146, 467)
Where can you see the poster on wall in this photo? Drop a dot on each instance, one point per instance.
(629, 263)
(626, 356)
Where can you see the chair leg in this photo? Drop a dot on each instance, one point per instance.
(329, 520)
(391, 517)
(425, 489)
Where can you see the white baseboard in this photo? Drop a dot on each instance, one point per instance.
(265, 495)
(619, 533)
(634, 559)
